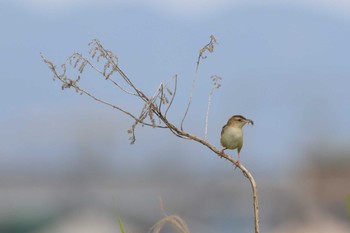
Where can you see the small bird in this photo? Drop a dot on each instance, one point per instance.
(232, 133)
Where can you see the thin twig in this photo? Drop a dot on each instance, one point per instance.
(111, 59)
(216, 81)
(161, 96)
(210, 48)
(172, 95)
(79, 57)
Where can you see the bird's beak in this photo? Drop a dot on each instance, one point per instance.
(249, 121)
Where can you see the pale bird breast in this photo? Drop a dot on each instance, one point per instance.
(232, 137)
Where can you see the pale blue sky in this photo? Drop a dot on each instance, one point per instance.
(284, 65)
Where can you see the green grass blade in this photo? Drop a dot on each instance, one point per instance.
(120, 223)
(348, 205)
(121, 226)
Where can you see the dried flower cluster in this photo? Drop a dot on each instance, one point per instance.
(208, 47)
(152, 105)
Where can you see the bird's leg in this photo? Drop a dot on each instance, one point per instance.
(237, 163)
(222, 151)
(239, 159)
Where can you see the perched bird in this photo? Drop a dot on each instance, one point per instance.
(232, 133)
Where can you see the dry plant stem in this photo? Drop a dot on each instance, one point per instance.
(217, 85)
(151, 107)
(210, 48)
(82, 91)
(172, 96)
(176, 222)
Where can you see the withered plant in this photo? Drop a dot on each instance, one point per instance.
(155, 108)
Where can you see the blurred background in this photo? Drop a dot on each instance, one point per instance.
(66, 164)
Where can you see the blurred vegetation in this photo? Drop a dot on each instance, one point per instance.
(348, 205)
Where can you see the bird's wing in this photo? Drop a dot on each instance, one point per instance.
(223, 128)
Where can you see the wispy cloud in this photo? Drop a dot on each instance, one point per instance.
(58, 6)
(184, 8)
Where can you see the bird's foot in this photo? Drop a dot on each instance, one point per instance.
(237, 163)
